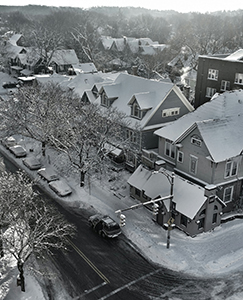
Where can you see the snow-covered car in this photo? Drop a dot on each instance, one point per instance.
(9, 142)
(18, 151)
(60, 187)
(48, 174)
(105, 225)
(32, 163)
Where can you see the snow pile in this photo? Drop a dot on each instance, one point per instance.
(209, 254)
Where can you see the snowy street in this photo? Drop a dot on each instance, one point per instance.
(213, 254)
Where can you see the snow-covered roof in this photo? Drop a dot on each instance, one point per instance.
(237, 55)
(142, 99)
(152, 94)
(219, 121)
(85, 81)
(14, 39)
(65, 57)
(188, 197)
(85, 68)
(55, 78)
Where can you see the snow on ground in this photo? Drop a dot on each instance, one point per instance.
(215, 253)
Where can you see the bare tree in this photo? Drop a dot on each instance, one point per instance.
(85, 137)
(33, 225)
(35, 110)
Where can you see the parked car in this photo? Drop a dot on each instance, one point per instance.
(60, 187)
(105, 225)
(18, 151)
(48, 174)
(10, 85)
(32, 163)
(9, 142)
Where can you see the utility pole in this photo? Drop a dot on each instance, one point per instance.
(171, 179)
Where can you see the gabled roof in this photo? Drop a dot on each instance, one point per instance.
(142, 100)
(188, 197)
(65, 57)
(151, 93)
(85, 81)
(15, 38)
(220, 122)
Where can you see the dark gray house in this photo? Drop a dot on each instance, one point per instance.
(217, 74)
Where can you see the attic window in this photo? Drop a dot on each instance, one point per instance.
(104, 100)
(136, 111)
(196, 141)
(170, 112)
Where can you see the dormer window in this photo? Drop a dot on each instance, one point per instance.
(136, 111)
(95, 92)
(104, 100)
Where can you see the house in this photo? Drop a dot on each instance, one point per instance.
(64, 60)
(131, 45)
(217, 74)
(194, 209)
(205, 146)
(84, 68)
(148, 105)
(84, 82)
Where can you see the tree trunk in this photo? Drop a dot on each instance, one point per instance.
(44, 148)
(1, 244)
(82, 176)
(21, 274)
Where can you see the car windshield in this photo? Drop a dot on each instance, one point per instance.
(111, 225)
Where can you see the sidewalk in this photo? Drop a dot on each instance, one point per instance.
(209, 254)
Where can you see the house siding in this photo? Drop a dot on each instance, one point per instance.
(227, 71)
(204, 170)
(171, 101)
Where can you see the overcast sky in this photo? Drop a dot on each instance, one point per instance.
(178, 5)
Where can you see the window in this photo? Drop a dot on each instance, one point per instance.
(201, 223)
(104, 100)
(131, 136)
(231, 168)
(196, 141)
(210, 92)
(225, 85)
(239, 78)
(136, 111)
(228, 194)
(215, 217)
(193, 164)
(170, 149)
(213, 74)
(180, 156)
(203, 212)
(215, 207)
(137, 192)
(170, 112)
(184, 220)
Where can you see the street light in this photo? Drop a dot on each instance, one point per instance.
(171, 179)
